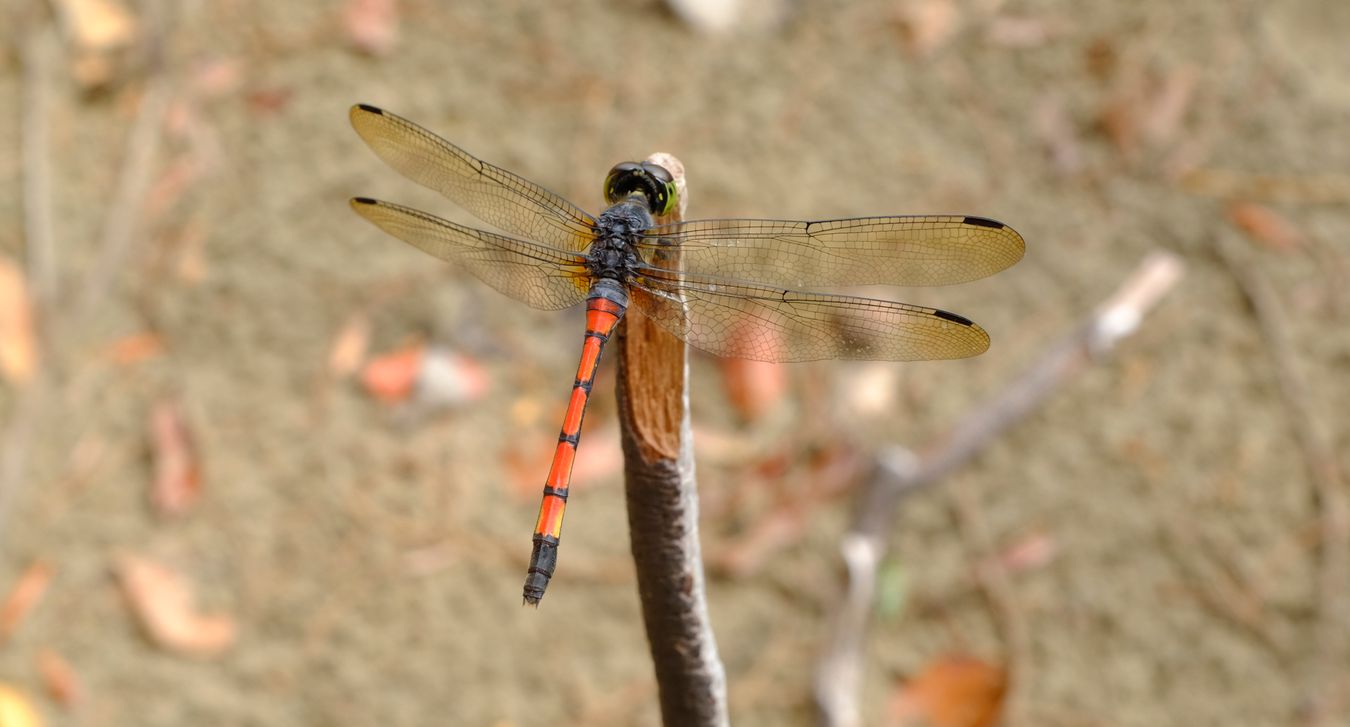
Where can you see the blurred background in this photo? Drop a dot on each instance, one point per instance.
(264, 465)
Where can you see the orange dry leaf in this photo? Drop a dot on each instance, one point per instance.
(18, 355)
(392, 376)
(372, 25)
(163, 600)
(268, 101)
(135, 348)
(955, 691)
(178, 484)
(16, 710)
(753, 387)
(1265, 225)
(349, 348)
(25, 595)
(61, 680)
(927, 25)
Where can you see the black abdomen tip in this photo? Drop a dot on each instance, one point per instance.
(363, 200)
(535, 585)
(983, 222)
(371, 109)
(953, 317)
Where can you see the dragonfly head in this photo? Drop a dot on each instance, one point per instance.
(651, 181)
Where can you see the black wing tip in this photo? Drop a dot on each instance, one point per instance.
(954, 318)
(983, 222)
(369, 109)
(1012, 239)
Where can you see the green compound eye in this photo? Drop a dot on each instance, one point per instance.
(666, 196)
(671, 195)
(619, 181)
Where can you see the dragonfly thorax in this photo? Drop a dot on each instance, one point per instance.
(614, 252)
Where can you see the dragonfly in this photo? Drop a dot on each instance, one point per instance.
(735, 287)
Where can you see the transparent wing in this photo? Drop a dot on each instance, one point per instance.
(907, 250)
(745, 320)
(541, 276)
(492, 194)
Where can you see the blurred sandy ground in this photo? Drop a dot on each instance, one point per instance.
(182, 427)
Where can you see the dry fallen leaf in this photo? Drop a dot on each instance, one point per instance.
(372, 25)
(954, 691)
(23, 597)
(1265, 225)
(178, 484)
(927, 25)
(753, 387)
(134, 348)
(269, 101)
(18, 354)
(163, 601)
(60, 679)
(391, 377)
(349, 348)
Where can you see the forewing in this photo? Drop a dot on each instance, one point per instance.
(746, 320)
(907, 250)
(490, 193)
(541, 276)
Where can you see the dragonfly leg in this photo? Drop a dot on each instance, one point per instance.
(605, 306)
